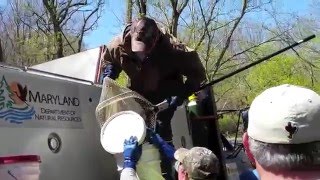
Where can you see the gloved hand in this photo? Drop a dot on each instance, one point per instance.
(111, 71)
(174, 102)
(163, 146)
(132, 152)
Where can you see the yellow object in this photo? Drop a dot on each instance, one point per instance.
(193, 97)
(149, 170)
(148, 166)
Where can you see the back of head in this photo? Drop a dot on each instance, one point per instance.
(284, 125)
(199, 162)
(245, 119)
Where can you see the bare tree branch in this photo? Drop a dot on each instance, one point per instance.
(129, 11)
(183, 5)
(207, 21)
(70, 45)
(274, 39)
(176, 12)
(84, 29)
(227, 44)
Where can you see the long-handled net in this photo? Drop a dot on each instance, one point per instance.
(115, 98)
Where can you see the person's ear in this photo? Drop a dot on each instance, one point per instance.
(246, 144)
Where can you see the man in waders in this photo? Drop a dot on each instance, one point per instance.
(155, 63)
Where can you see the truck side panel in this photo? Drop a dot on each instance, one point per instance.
(38, 113)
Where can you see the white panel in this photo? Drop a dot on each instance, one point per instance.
(181, 129)
(82, 65)
(81, 156)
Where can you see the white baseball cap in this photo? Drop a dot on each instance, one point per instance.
(285, 114)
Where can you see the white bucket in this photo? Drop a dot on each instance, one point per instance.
(25, 167)
(148, 166)
(120, 127)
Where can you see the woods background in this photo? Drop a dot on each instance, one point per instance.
(227, 35)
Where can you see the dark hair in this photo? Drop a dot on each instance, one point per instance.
(245, 119)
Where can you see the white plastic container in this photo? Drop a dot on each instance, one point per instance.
(120, 127)
(22, 167)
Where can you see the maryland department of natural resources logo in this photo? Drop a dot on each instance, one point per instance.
(13, 106)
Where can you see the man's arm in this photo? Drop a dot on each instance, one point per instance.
(188, 63)
(190, 66)
(166, 149)
(111, 59)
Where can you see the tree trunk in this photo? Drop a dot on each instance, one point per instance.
(174, 24)
(176, 12)
(59, 41)
(142, 5)
(129, 11)
(53, 14)
(1, 53)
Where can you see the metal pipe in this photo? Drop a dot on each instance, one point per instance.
(164, 105)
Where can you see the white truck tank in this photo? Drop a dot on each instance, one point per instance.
(54, 119)
(53, 116)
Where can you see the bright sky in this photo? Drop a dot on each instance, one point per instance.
(109, 24)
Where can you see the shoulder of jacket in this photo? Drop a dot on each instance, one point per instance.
(174, 41)
(115, 42)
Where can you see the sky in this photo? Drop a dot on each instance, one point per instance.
(109, 24)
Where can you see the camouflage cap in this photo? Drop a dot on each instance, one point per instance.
(199, 162)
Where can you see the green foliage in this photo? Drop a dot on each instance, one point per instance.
(37, 49)
(232, 93)
(5, 93)
(279, 70)
(228, 124)
(2, 98)
(239, 91)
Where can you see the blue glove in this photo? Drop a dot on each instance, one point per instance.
(174, 102)
(111, 71)
(132, 152)
(163, 146)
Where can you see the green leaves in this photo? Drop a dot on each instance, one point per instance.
(1, 105)
(240, 90)
(5, 95)
(279, 70)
